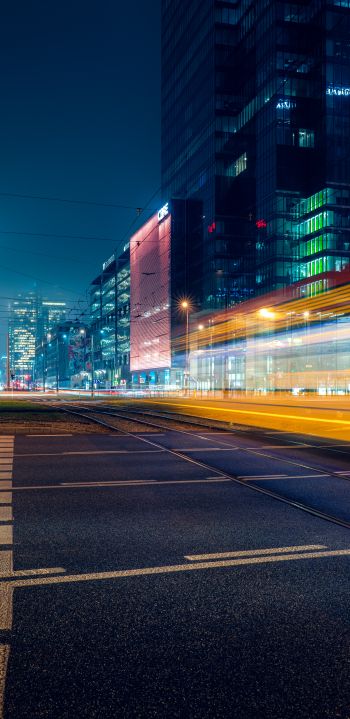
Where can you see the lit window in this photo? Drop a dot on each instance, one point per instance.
(238, 166)
(306, 138)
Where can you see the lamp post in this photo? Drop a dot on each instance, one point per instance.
(92, 365)
(185, 305)
(57, 362)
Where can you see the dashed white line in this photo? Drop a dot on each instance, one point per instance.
(49, 435)
(169, 569)
(4, 655)
(284, 476)
(6, 534)
(5, 513)
(255, 552)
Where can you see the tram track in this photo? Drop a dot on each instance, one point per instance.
(93, 415)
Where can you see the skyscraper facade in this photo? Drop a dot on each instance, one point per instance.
(256, 126)
(22, 336)
(31, 319)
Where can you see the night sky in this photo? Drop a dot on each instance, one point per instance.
(80, 120)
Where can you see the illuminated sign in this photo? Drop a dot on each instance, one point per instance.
(341, 91)
(163, 212)
(108, 262)
(261, 224)
(285, 105)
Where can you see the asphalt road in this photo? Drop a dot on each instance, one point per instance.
(148, 585)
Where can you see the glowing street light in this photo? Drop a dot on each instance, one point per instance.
(185, 305)
(266, 313)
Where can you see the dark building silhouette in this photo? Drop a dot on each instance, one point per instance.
(256, 126)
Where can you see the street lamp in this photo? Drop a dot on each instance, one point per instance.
(185, 305)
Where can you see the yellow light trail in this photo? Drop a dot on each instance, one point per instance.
(295, 419)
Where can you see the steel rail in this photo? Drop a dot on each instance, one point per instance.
(308, 509)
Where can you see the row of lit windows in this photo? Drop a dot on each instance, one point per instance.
(318, 222)
(312, 203)
(317, 244)
(314, 288)
(323, 264)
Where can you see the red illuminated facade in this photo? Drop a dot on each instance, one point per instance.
(150, 292)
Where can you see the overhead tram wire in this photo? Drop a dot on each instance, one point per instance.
(71, 237)
(58, 235)
(71, 201)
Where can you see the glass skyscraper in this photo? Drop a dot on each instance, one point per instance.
(31, 318)
(256, 126)
(22, 335)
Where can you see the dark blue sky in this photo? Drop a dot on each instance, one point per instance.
(80, 119)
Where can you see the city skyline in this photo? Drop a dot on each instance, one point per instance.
(74, 127)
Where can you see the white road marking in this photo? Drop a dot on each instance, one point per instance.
(285, 476)
(281, 446)
(10, 574)
(66, 434)
(6, 606)
(6, 562)
(4, 655)
(118, 451)
(6, 534)
(255, 552)
(261, 476)
(6, 559)
(170, 569)
(93, 452)
(134, 483)
(123, 483)
(206, 449)
(5, 514)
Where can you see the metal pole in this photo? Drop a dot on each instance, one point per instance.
(92, 365)
(57, 363)
(8, 360)
(44, 366)
(187, 374)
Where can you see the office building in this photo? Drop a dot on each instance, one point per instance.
(50, 314)
(160, 281)
(22, 335)
(103, 324)
(256, 126)
(122, 370)
(63, 357)
(110, 322)
(31, 318)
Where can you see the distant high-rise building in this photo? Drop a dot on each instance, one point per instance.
(22, 328)
(256, 126)
(50, 314)
(30, 319)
